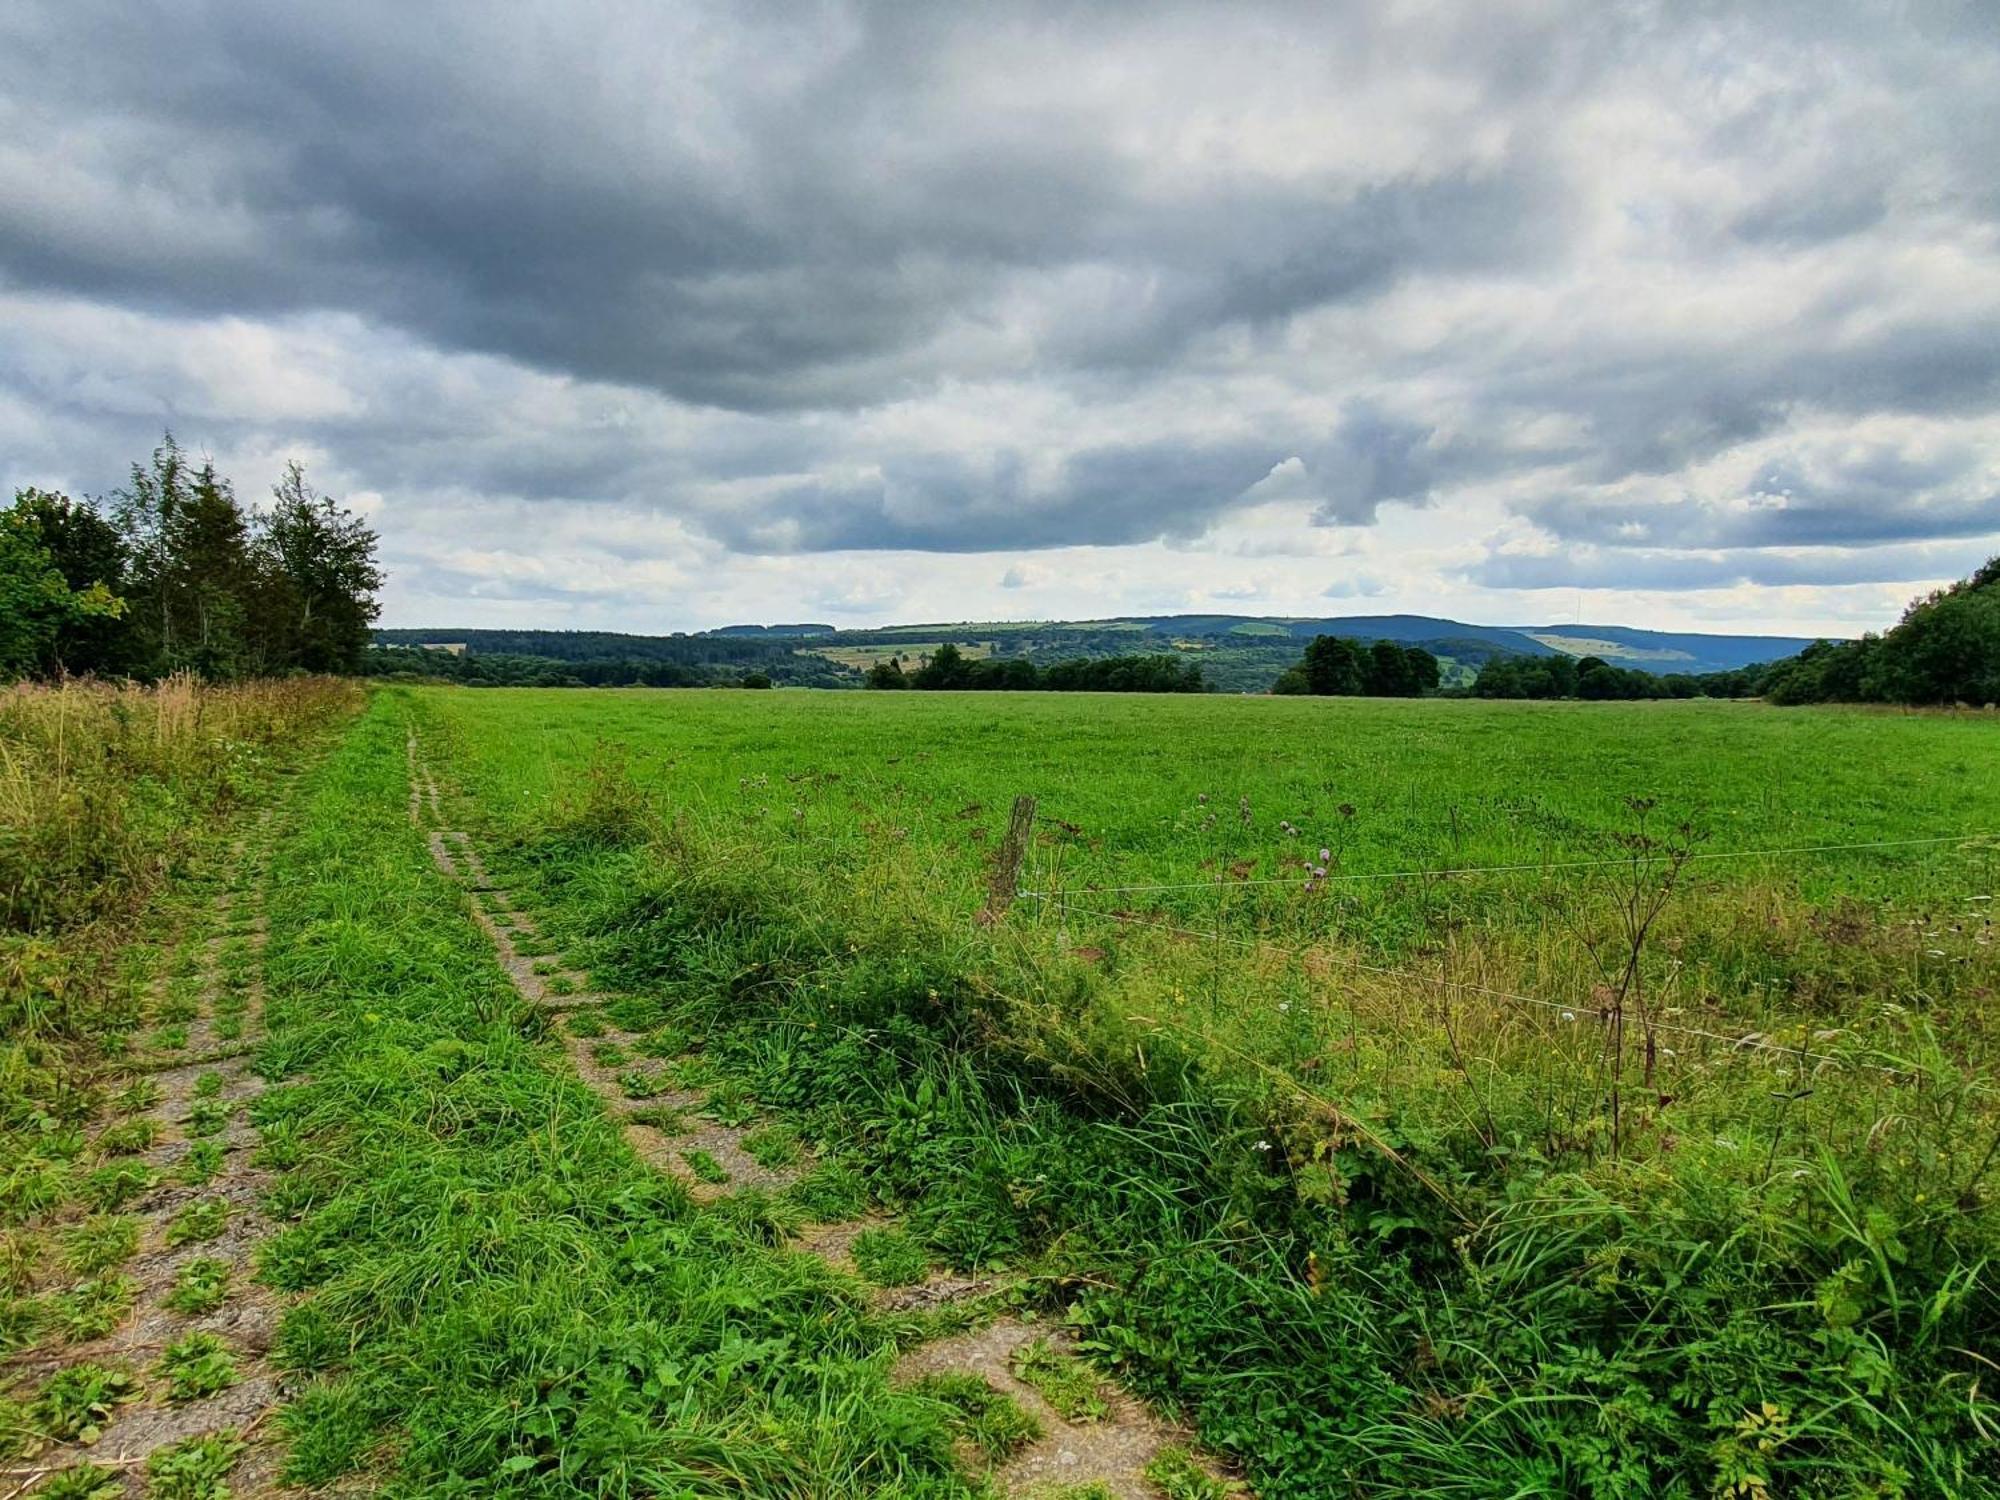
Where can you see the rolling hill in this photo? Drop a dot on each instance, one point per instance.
(1238, 653)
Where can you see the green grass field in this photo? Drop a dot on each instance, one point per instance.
(1661, 1161)
(1439, 1183)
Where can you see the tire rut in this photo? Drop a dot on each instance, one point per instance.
(1106, 1450)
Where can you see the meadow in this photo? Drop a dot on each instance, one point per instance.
(1440, 1098)
(1649, 1153)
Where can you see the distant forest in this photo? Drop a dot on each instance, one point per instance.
(173, 574)
(950, 670)
(1945, 650)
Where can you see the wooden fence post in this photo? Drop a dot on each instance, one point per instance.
(1007, 862)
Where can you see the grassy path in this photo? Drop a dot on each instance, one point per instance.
(153, 1355)
(1029, 1418)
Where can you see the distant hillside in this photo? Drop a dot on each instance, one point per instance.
(1237, 653)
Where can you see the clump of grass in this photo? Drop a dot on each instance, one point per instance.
(199, 1287)
(584, 1023)
(75, 1404)
(195, 1468)
(1062, 1380)
(170, 1039)
(92, 1308)
(137, 1096)
(609, 1055)
(203, 1219)
(112, 1187)
(830, 1193)
(705, 1167)
(128, 1137)
(889, 1257)
(84, 1481)
(1177, 1476)
(772, 1146)
(207, 1117)
(730, 1104)
(638, 1085)
(208, 1085)
(197, 1365)
(665, 1042)
(992, 1421)
(99, 1243)
(21, 1252)
(664, 1118)
(21, 1321)
(200, 1166)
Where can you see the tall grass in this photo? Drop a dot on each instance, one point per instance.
(107, 794)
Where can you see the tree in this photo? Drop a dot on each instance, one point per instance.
(87, 551)
(947, 668)
(210, 582)
(1334, 667)
(320, 577)
(154, 492)
(888, 674)
(36, 603)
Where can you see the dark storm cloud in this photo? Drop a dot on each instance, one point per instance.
(940, 502)
(736, 264)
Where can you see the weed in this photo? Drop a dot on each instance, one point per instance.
(1062, 1380)
(583, 1023)
(112, 1187)
(609, 1055)
(21, 1254)
(82, 1482)
(170, 1039)
(889, 1257)
(665, 1043)
(208, 1117)
(75, 1404)
(99, 1243)
(705, 1167)
(91, 1309)
(199, 1287)
(1177, 1476)
(21, 1320)
(730, 1104)
(773, 1146)
(202, 1163)
(990, 1420)
(197, 1365)
(830, 1194)
(128, 1137)
(638, 1085)
(195, 1468)
(664, 1118)
(208, 1085)
(136, 1097)
(203, 1219)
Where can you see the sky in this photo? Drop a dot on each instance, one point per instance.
(650, 316)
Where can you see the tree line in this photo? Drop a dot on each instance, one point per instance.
(1945, 649)
(172, 574)
(950, 670)
(1336, 666)
(1594, 679)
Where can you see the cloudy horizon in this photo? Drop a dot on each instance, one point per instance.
(654, 317)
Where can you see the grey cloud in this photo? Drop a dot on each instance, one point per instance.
(943, 502)
(728, 238)
(1596, 568)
